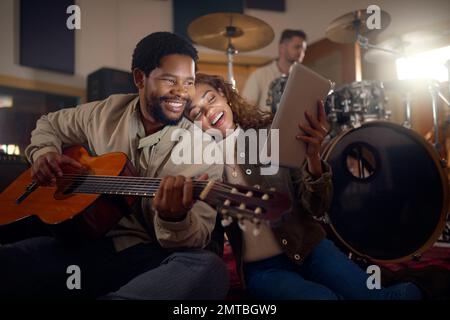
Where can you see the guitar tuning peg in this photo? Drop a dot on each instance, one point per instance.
(256, 221)
(234, 190)
(241, 224)
(265, 196)
(272, 189)
(242, 206)
(256, 231)
(258, 210)
(249, 194)
(226, 221)
(257, 186)
(227, 203)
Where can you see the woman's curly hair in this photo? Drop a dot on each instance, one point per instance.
(247, 116)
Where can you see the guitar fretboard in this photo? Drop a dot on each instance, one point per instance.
(133, 186)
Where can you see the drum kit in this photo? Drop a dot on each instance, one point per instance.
(391, 189)
(391, 186)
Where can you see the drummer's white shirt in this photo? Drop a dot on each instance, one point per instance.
(257, 85)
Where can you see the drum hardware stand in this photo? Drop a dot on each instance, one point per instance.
(447, 102)
(433, 87)
(446, 123)
(231, 51)
(443, 99)
(447, 64)
(364, 44)
(446, 126)
(407, 100)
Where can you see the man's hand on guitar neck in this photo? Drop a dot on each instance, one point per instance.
(49, 166)
(174, 197)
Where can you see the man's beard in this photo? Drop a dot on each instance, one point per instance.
(155, 108)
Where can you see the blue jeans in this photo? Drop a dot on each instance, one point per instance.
(37, 268)
(326, 274)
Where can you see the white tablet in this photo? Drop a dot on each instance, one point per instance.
(304, 88)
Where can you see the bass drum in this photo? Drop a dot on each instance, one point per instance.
(391, 195)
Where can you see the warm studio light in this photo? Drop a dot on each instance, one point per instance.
(425, 65)
(11, 149)
(6, 101)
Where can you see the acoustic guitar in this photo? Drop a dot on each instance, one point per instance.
(86, 204)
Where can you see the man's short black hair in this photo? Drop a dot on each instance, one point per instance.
(149, 51)
(288, 34)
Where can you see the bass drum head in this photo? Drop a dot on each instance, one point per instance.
(390, 196)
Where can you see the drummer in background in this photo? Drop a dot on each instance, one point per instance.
(291, 49)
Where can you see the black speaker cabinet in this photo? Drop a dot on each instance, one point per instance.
(105, 82)
(10, 168)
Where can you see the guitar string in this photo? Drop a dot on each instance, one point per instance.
(90, 184)
(119, 182)
(214, 196)
(113, 181)
(117, 179)
(128, 185)
(92, 187)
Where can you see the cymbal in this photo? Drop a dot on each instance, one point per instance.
(343, 29)
(409, 44)
(386, 51)
(245, 32)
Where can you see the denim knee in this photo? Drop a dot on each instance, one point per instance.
(209, 273)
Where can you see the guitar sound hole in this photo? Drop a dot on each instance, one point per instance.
(70, 186)
(69, 190)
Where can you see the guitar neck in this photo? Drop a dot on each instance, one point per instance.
(231, 200)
